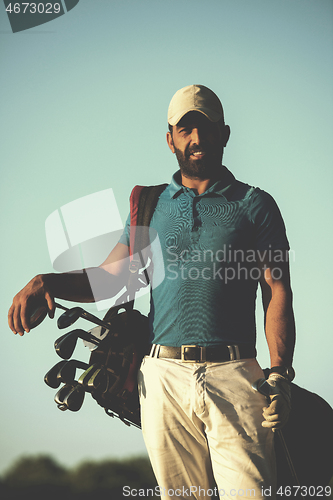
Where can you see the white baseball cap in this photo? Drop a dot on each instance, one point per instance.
(195, 98)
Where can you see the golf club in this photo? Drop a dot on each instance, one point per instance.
(93, 377)
(51, 378)
(261, 385)
(37, 316)
(39, 313)
(74, 398)
(71, 315)
(67, 371)
(65, 345)
(61, 395)
(58, 340)
(97, 379)
(70, 397)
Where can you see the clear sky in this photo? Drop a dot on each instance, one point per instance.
(83, 108)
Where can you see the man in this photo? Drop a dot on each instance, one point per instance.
(201, 420)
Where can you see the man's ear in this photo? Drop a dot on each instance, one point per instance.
(225, 135)
(170, 141)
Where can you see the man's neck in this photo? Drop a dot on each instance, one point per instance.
(201, 185)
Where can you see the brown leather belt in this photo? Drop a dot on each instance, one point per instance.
(198, 354)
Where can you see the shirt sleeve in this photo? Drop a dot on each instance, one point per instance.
(125, 237)
(270, 231)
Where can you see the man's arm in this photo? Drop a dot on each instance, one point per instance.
(280, 334)
(108, 279)
(279, 316)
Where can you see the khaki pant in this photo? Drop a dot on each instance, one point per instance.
(201, 423)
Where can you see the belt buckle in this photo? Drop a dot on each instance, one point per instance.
(234, 352)
(198, 359)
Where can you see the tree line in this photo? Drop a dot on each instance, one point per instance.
(41, 477)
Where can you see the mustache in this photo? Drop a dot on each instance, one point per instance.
(194, 149)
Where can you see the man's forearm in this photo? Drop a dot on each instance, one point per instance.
(280, 328)
(90, 285)
(86, 286)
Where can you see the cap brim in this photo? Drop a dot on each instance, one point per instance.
(211, 115)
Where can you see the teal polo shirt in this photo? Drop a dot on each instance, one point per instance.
(209, 246)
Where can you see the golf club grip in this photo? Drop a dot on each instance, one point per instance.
(263, 387)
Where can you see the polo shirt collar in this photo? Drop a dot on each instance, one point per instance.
(219, 187)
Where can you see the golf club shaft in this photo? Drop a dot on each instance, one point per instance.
(87, 316)
(256, 386)
(61, 307)
(94, 319)
(288, 457)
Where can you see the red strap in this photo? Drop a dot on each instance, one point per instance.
(131, 381)
(134, 205)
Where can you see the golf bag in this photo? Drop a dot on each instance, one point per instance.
(121, 352)
(308, 435)
(118, 357)
(122, 339)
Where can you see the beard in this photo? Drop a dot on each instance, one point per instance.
(204, 168)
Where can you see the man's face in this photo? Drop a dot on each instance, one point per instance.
(198, 144)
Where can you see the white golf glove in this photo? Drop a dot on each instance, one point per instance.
(277, 413)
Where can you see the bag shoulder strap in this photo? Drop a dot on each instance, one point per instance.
(143, 201)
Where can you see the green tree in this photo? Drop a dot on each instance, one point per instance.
(36, 477)
(42, 477)
(100, 478)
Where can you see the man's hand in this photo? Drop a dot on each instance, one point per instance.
(277, 413)
(34, 294)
